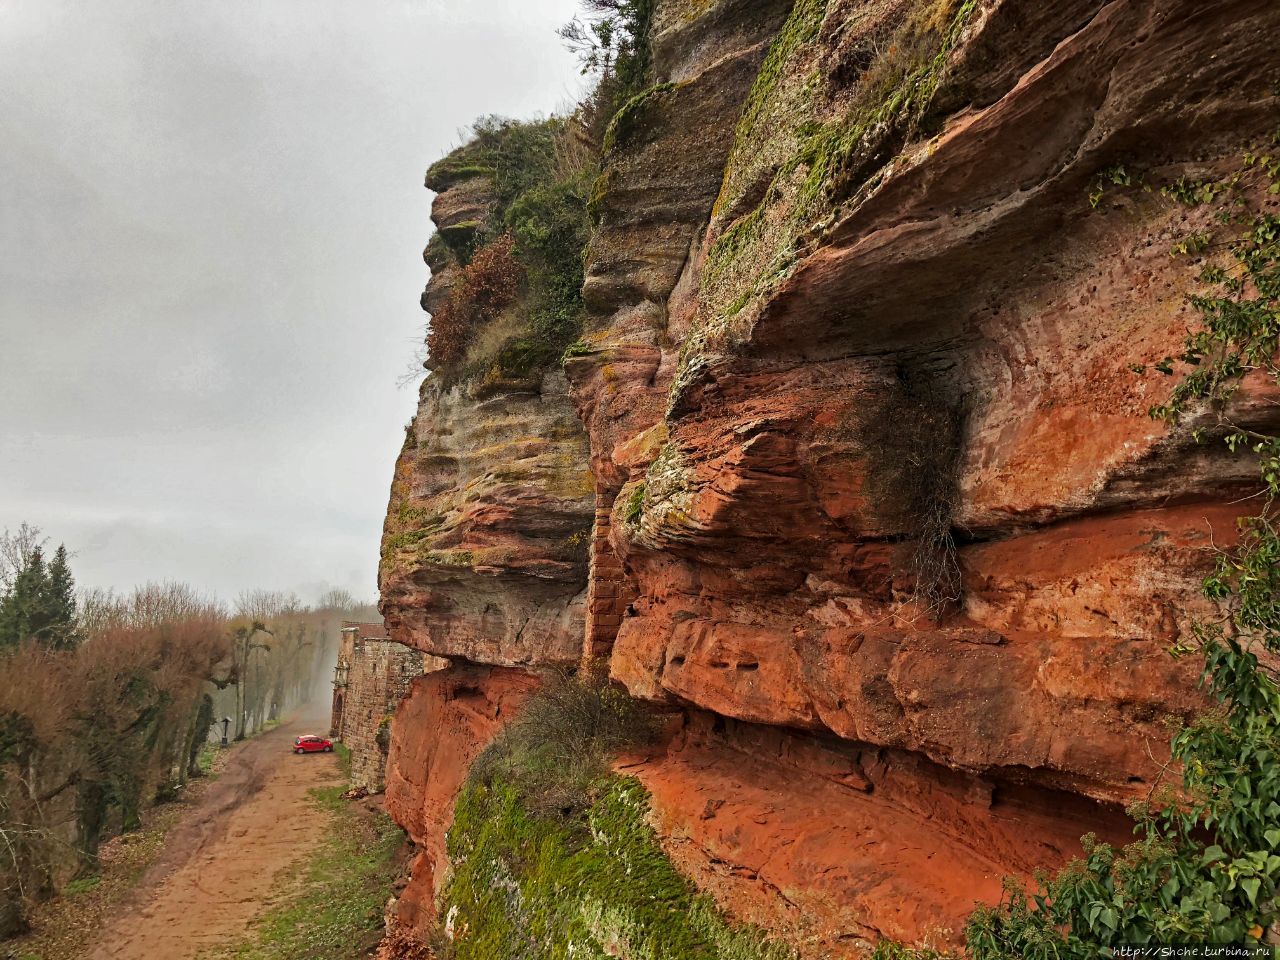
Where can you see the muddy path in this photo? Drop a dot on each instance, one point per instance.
(223, 864)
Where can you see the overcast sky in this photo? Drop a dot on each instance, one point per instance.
(211, 225)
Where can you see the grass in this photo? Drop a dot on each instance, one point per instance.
(343, 753)
(528, 884)
(552, 853)
(82, 885)
(206, 759)
(335, 912)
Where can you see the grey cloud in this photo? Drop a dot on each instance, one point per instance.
(211, 219)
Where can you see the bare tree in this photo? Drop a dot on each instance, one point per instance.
(243, 646)
(17, 551)
(337, 599)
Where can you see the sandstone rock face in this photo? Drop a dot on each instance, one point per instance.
(438, 730)
(484, 555)
(768, 519)
(834, 844)
(877, 505)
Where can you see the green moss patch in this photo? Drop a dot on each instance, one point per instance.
(629, 120)
(635, 505)
(552, 854)
(598, 886)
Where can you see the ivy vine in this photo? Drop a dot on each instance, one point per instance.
(1205, 868)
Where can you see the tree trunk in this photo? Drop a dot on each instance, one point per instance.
(91, 820)
(199, 734)
(242, 668)
(129, 789)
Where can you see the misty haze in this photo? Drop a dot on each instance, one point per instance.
(639, 479)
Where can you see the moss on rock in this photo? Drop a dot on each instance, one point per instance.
(595, 885)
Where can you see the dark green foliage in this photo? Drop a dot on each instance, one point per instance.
(520, 153)
(613, 43)
(551, 228)
(41, 604)
(525, 356)
(540, 202)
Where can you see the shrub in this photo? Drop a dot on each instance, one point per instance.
(551, 231)
(488, 286)
(563, 742)
(915, 442)
(536, 231)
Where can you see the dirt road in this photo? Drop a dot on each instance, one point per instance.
(220, 868)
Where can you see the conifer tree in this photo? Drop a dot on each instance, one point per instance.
(41, 604)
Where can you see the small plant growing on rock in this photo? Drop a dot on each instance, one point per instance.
(564, 740)
(914, 444)
(489, 285)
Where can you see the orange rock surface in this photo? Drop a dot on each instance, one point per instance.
(766, 421)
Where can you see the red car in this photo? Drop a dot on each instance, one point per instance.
(312, 745)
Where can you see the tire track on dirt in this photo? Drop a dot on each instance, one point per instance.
(219, 868)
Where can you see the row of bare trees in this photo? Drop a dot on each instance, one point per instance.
(107, 700)
(282, 650)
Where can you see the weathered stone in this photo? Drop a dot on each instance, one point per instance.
(438, 730)
(372, 676)
(876, 502)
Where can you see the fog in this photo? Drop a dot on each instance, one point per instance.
(211, 224)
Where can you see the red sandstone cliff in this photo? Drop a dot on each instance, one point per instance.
(876, 502)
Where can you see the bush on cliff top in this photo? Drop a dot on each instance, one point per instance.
(542, 173)
(536, 232)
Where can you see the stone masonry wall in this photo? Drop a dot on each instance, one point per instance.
(379, 674)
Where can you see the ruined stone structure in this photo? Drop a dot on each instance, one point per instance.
(372, 676)
(819, 306)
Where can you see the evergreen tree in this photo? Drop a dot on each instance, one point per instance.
(41, 604)
(59, 628)
(19, 608)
